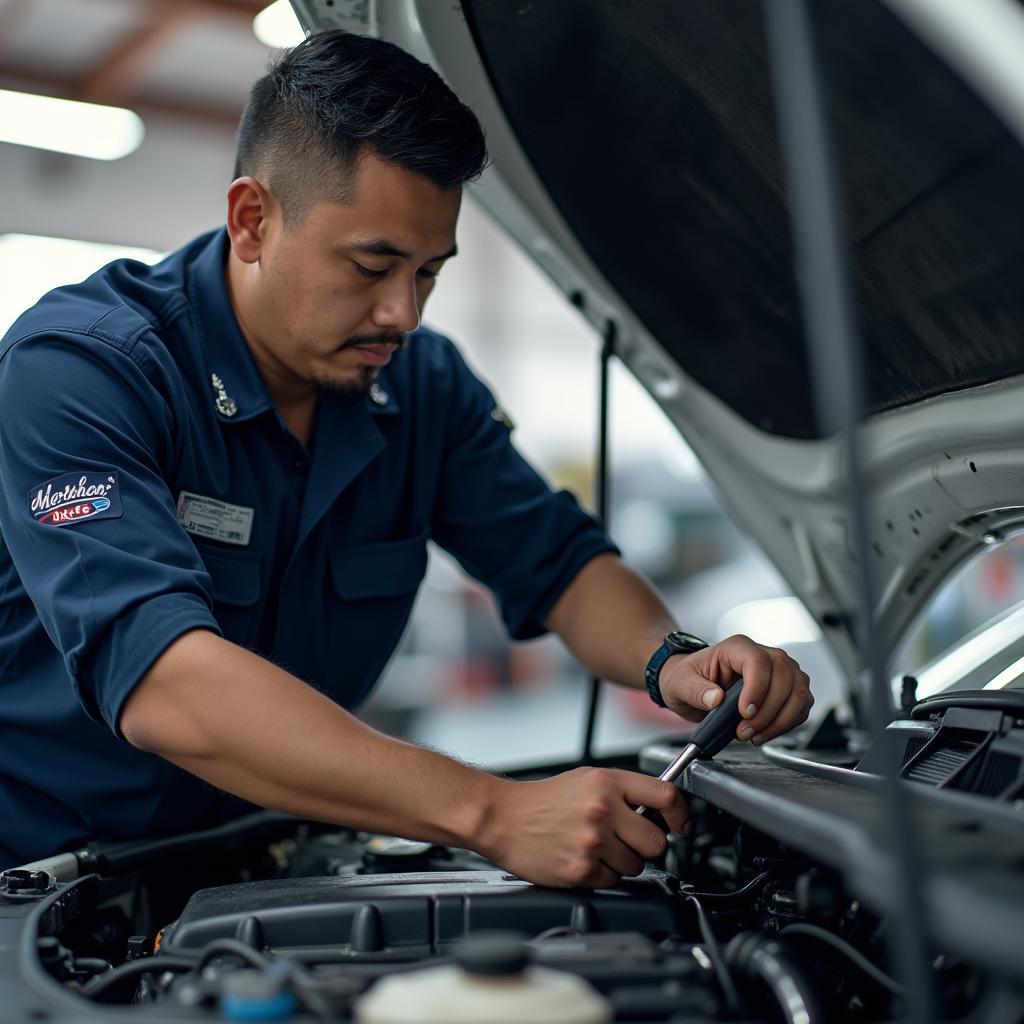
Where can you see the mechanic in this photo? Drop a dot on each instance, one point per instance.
(219, 477)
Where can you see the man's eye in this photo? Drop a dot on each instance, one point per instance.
(431, 274)
(367, 271)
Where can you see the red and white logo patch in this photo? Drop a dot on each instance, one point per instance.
(75, 497)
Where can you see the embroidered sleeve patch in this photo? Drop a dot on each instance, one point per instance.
(75, 497)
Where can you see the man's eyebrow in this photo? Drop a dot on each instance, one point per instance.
(382, 247)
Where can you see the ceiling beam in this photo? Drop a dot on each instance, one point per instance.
(114, 78)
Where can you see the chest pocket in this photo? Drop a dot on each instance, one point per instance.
(374, 586)
(385, 569)
(236, 577)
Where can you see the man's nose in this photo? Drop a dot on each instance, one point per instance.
(399, 308)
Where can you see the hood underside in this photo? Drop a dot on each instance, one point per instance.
(636, 159)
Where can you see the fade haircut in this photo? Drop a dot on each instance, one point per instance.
(336, 95)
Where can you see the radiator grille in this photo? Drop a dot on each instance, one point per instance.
(914, 744)
(999, 771)
(940, 764)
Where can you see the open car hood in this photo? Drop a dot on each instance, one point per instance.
(635, 158)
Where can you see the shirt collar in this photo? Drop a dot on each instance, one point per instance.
(236, 388)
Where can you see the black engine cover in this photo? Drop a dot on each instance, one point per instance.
(415, 915)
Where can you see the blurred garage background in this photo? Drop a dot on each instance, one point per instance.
(141, 184)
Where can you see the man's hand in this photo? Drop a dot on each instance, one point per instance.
(580, 828)
(776, 693)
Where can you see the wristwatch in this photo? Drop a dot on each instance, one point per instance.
(676, 642)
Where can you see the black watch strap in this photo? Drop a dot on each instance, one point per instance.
(676, 642)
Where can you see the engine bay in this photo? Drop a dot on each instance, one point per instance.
(347, 910)
(771, 908)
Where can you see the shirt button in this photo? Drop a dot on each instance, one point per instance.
(301, 465)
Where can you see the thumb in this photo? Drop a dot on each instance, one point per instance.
(707, 695)
(688, 685)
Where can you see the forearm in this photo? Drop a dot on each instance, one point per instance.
(248, 727)
(612, 620)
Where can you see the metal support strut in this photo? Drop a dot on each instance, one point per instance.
(838, 373)
(603, 509)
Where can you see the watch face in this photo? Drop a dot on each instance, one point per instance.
(685, 641)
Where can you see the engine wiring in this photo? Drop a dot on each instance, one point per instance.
(715, 955)
(302, 982)
(851, 953)
(752, 888)
(232, 947)
(134, 969)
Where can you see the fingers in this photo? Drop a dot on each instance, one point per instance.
(581, 871)
(662, 796)
(618, 856)
(580, 828)
(692, 696)
(776, 693)
(781, 686)
(793, 712)
(786, 705)
(601, 877)
(615, 840)
(600, 860)
(694, 685)
(755, 664)
(644, 838)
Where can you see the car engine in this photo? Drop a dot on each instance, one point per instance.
(341, 910)
(751, 916)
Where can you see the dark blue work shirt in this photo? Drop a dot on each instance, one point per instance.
(150, 487)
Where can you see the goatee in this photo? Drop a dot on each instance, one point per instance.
(347, 390)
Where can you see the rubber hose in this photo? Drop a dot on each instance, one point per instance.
(763, 959)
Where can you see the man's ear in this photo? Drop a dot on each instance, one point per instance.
(249, 208)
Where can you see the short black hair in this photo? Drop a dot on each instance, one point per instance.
(336, 94)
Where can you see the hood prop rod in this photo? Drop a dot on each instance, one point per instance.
(603, 475)
(838, 373)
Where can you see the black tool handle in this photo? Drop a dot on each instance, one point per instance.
(718, 728)
(655, 818)
(714, 733)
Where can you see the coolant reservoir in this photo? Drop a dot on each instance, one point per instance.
(491, 982)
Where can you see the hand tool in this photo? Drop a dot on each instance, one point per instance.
(716, 730)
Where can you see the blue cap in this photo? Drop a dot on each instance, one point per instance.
(256, 995)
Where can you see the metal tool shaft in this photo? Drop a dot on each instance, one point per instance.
(715, 732)
(689, 753)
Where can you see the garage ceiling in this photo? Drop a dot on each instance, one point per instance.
(184, 65)
(191, 59)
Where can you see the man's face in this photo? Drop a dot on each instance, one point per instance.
(334, 296)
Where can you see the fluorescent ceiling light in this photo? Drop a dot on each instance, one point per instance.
(277, 27)
(67, 126)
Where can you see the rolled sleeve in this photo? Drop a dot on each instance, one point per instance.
(500, 519)
(113, 591)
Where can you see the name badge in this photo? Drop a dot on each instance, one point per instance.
(213, 519)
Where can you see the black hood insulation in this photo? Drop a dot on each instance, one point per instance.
(657, 143)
